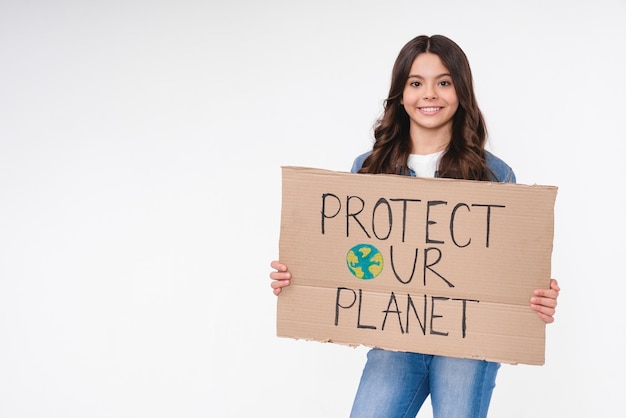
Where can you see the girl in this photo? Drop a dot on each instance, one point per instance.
(431, 127)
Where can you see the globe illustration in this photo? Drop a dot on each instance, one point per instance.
(364, 261)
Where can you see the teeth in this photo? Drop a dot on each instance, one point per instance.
(430, 109)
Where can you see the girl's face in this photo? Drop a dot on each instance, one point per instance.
(429, 97)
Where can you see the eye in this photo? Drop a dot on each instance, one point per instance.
(445, 83)
(415, 84)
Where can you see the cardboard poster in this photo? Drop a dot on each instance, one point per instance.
(435, 266)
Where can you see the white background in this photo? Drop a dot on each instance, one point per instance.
(140, 152)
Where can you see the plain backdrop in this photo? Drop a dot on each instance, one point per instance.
(140, 152)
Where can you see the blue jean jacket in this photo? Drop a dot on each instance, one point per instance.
(501, 170)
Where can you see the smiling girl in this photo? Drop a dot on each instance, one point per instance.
(431, 127)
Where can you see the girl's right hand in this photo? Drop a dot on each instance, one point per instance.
(281, 277)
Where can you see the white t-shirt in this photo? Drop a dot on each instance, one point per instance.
(424, 165)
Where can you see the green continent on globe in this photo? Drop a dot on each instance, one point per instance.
(364, 261)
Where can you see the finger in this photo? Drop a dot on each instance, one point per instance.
(546, 315)
(547, 302)
(546, 293)
(278, 275)
(546, 309)
(277, 284)
(543, 305)
(548, 319)
(278, 266)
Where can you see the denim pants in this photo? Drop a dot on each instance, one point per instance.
(396, 384)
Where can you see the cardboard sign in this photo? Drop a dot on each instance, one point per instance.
(435, 266)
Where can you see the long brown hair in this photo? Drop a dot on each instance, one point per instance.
(464, 157)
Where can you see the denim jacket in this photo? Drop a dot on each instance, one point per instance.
(500, 169)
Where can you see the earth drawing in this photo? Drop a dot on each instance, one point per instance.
(364, 261)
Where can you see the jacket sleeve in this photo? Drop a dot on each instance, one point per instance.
(358, 162)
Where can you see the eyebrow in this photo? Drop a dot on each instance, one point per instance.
(438, 76)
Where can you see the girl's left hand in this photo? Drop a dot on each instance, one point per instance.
(544, 301)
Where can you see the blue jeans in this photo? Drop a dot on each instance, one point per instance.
(396, 384)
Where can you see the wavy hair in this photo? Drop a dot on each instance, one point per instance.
(464, 157)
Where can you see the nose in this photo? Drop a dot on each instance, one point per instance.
(430, 93)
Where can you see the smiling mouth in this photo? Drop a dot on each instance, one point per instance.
(430, 109)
